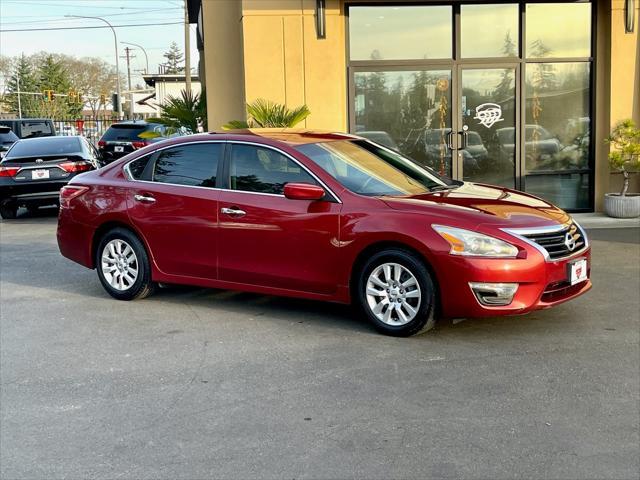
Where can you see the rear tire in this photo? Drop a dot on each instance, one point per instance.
(8, 210)
(396, 293)
(123, 265)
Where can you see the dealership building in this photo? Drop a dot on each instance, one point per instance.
(516, 93)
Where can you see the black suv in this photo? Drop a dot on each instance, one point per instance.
(30, 127)
(34, 170)
(125, 137)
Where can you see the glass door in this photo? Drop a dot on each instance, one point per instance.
(487, 124)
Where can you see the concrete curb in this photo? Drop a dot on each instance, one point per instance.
(600, 220)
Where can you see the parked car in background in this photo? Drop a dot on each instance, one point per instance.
(68, 130)
(381, 137)
(7, 138)
(322, 216)
(540, 145)
(34, 170)
(126, 137)
(30, 127)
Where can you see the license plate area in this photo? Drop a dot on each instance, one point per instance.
(118, 148)
(39, 174)
(577, 271)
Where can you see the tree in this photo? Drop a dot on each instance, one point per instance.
(53, 76)
(92, 77)
(265, 114)
(187, 111)
(23, 77)
(174, 58)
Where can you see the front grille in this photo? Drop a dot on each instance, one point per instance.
(560, 290)
(559, 242)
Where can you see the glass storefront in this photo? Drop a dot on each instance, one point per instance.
(491, 93)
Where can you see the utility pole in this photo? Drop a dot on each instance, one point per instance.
(19, 104)
(128, 57)
(187, 49)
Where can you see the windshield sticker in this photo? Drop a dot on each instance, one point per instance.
(488, 114)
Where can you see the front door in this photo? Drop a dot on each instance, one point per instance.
(267, 239)
(487, 124)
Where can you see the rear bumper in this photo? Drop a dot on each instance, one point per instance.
(74, 238)
(541, 284)
(31, 192)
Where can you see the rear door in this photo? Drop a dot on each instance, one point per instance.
(173, 201)
(267, 239)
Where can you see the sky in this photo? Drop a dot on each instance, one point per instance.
(45, 14)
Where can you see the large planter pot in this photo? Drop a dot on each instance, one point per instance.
(622, 207)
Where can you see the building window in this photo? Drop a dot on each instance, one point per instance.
(424, 79)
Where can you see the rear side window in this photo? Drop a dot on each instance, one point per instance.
(136, 168)
(129, 133)
(35, 129)
(256, 169)
(195, 165)
(8, 137)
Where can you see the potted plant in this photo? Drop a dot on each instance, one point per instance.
(625, 159)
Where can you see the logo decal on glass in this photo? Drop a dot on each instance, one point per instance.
(488, 114)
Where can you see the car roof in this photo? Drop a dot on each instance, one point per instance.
(52, 138)
(285, 135)
(134, 122)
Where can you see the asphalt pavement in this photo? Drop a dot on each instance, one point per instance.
(198, 383)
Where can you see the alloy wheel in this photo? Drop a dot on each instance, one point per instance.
(393, 294)
(119, 264)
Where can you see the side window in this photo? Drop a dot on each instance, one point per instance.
(256, 169)
(194, 165)
(136, 168)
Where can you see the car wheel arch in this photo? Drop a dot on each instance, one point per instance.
(379, 246)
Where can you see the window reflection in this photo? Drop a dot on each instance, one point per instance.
(489, 30)
(558, 30)
(400, 33)
(411, 108)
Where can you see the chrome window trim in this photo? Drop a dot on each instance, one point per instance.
(521, 232)
(129, 177)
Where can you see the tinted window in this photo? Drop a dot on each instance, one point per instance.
(195, 165)
(49, 146)
(35, 129)
(255, 169)
(136, 168)
(127, 132)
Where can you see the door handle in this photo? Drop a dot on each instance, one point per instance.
(234, 211)
(450, 140)
(144, 198)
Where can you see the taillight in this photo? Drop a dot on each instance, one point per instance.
(69, 192)
(102, 144)
(139, 144)
(75, 167)
(8, 171)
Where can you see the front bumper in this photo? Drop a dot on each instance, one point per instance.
(541, 283)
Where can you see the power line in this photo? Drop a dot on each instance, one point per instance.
(56, 18)
(24, 2)
(90, 28)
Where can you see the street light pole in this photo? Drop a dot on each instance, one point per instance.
(146, 58)
(115, 43)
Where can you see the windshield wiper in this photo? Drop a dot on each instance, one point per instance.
(442, 188)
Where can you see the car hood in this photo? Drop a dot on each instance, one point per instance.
(483, 205)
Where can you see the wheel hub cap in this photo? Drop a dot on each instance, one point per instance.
(119, 264)
(393, 294)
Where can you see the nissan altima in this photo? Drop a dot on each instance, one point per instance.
(323, 216)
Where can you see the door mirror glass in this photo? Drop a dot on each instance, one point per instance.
(303, 191)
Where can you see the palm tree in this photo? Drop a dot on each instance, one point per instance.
(187, 111)
(265, 114)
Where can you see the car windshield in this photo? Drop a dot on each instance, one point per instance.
(368, 169)
(127, 132)
(46, 146)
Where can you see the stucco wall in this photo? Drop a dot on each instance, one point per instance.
(285, 61)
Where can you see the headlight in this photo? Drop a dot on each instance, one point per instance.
(466, 242)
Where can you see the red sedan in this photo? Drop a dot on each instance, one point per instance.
(321, 216)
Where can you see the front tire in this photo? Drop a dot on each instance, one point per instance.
(396, 293)
(123, 265)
